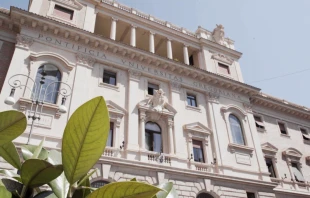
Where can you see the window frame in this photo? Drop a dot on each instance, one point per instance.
(110, 74)
(201, 149)
(263, 126)
(147, 131)
(273, 167)
(255, 194)
(101, 76)
(241, 128)
(195, 99)
(305, 139)
(221, 65)
(285, 127)
(50, 12)
(62, 8)
(111, 131)
(153, 89)
(298, 167)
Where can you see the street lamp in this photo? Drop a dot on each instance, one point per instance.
(38, 95)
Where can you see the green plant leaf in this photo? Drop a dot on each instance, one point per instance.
(28, 151)
(38, 150)
(45, 194)
(9, 153)
(129, 189)
(35, 172)
(12, 125)
(15, 187)
(11, 174)
(84, 138)
(133, 179)
(60, 185)
(167, 192)
(5, 193)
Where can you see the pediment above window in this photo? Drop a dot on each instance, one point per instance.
(197, 127)
(269, 148)
(292, 153)
(116, 112)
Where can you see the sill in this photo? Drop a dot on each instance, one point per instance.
(233, 147)
(261, 130)
(285, 135)
(108, 86)
(188, 107)
(274, 179)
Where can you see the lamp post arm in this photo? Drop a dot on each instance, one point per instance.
(16, 83)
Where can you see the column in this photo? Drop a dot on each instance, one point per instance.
(142, 129)
(169, 49)
(133, 36)
(205, 143)
(185, 54)
(113, 28)
(151, 42)
(170, 133)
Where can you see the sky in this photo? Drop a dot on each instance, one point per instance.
(273, 35)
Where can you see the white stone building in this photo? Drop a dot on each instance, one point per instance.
(205, 130)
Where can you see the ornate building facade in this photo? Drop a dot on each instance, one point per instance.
(179, 108)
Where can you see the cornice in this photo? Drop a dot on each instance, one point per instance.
(41, 23)
(279, 105)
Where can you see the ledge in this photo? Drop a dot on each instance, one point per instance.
(260, 130)
(108, 86)
(285, 135)
(188, 107)
(234, 147)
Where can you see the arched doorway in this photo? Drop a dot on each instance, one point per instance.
(204, 195)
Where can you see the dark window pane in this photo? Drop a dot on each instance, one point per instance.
(110, 137)
(282, 128)
(153, 140)
(204, 195)
(191, 100)
(191, 60)
(250, 195)
(152, 88)
(157, 147)
(148, 141)
(236, 130)
(198, 151)
(50, 88)
(269, 164)
(109, 77)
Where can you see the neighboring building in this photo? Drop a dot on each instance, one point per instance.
(205, 130)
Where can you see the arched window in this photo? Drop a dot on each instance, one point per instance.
(204, 195)
(153, 141)
(49, 74)
(98, 184)
(236, 130)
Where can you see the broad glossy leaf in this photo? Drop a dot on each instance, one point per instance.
(60, 185)
(45, 194)
(9, 153)
(5, 193)
(129, 189)
(28, 151)
(85, 138)
(11, 174)
(37, 172)
(38, 150)
(12, 125)
(169, 191)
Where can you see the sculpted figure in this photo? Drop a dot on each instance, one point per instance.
(158, 100)
(219, 34)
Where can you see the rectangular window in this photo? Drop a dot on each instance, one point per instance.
(269, 164)
(198, 151)
(250, 195)
(259, 123)
(223, 69)
(63, 13)
(151, 88)
(109, 77)
(305, 134)
(282, 128)
(110, 137)
(297, 173)
(191, 100)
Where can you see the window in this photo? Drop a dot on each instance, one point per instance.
(271, 170)
(297, 173)
(153, 141)
(223, 69)
(191, 60)
(99, 184)
(151, 88)
(282, 128)
(198, 151)
(63, 13)
(110, 137)
(259, 123)
(109, 77)
(236, 129)
(250, 195)
(191, 100)
(204, 195)
(49, 75)
(305, 134)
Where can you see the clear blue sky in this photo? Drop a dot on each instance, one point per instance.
(273, 35)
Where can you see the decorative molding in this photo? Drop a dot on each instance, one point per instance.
(248, 107)
(85, 60)
(42, 55)
(197, 127)
(222, 58)
(116, 112)
(236, 147)
(292, 153)
(24, 41)
(269, 149)
(214, 98)
(175, 86)
(134, 74)
(158, 101)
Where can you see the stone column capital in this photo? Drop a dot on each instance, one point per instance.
(214, 98)
(114, 19)
(85, 60)
(134, 74)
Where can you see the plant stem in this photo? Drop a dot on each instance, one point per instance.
(24, 190)
(70, 192)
